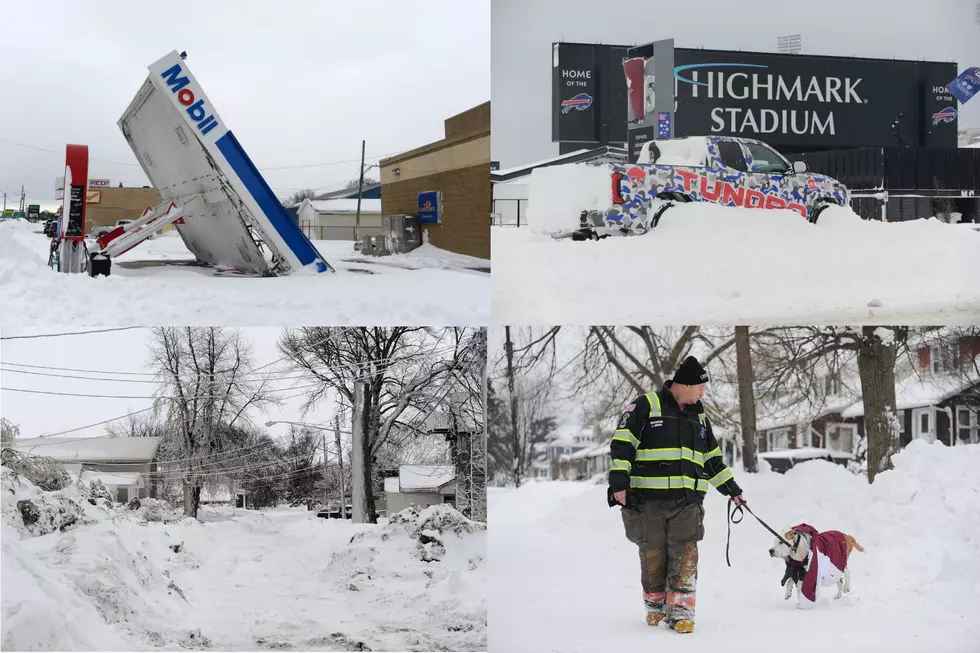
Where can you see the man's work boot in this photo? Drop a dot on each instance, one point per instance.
(654, 618)
(683, 626)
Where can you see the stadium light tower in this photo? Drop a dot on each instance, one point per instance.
(790, 44)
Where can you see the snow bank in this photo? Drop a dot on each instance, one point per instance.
(562, 562)
(558, 194)
(426, 564)
(42, 612)
(749, 265)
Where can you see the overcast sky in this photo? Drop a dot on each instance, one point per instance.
(300, 82)
(523, 31)
(115, 351)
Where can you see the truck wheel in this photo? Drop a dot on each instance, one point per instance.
(659, 213)
(820, 209)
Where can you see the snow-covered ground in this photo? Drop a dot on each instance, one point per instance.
(707, 264)
(242, 580)
(566, 579)
(157, 283)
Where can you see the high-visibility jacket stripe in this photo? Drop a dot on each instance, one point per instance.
(714, 453)
(723, 476)
(654, 400)
(621, 466)
(671, 453)
(625, 435)
(667, 483)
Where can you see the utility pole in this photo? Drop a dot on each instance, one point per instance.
(518, 445)
(360, 189)
(4, 201)
(22, 198)
(359, 482)
(340, 466)
(325, 497)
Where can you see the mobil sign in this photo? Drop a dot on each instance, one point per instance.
(171, 76)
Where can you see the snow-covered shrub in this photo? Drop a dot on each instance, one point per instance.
(97, 490)
(45, 473)
(32, 512)
(157, 510)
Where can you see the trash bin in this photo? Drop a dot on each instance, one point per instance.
(99, 264)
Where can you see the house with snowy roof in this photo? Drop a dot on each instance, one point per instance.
(937, 399)
(420, 485)
(566, 440)
(126, 466)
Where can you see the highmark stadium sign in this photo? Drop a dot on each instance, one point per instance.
(704, 82)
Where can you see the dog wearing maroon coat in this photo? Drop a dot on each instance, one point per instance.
(814, 559)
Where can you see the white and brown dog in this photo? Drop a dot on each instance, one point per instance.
(814, 559)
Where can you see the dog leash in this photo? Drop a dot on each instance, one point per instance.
(731, 520)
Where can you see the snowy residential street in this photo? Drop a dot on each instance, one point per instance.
(158, 283)
(566, 578)
(707, 264)
(281, 579)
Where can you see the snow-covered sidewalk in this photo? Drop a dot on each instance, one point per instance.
(243, 580)
(707, 264)
(158, 283)
(567, 580)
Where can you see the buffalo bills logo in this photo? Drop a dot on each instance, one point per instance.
(946, 115)
(579, 102)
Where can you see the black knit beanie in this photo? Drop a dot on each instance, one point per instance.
(690, 372)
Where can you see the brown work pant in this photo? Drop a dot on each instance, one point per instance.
(667, 534)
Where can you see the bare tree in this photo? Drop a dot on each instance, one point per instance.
(746, 398)
(137, 425)
(205, 391)
(403, 367)
(299, 196)
(354, 183)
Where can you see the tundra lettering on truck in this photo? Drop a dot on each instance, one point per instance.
(194, 107)
(730, 171)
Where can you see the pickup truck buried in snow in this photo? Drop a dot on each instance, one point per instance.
(718, 169)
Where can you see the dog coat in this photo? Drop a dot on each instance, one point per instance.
(825, 563)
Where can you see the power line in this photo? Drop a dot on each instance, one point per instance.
(376, 157)
(71, 333)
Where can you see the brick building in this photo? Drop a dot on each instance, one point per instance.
(104, 206)
(459, 167)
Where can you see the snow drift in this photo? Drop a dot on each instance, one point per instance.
(562, 562)
(97, 577)
(160, 283)
(425, 564)
(719, 265)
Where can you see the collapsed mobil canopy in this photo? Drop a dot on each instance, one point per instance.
(231, 218)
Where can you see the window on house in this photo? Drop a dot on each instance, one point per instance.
(967, 427)
(778, 439)
(831, 385)
(945, 358)
(841, 437)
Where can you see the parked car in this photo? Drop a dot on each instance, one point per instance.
(100, 231)
(723, 170)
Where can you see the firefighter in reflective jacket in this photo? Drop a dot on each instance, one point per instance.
(664, 459)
